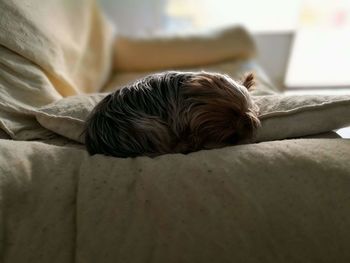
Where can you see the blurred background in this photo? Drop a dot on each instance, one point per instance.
(304, 45)
(158, 16)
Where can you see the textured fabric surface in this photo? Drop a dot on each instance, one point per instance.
(284, 201)
(48, 50)
(69, 40)
(296, 116)
(281, 116)
(67, 116)
(23, 88)
(38, 186)
(159, 53)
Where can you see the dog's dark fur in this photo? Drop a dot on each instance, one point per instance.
(172, 112)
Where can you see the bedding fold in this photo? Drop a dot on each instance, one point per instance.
(38, 185)
(69, 40)
(23, 89)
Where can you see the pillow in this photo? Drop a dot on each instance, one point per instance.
(281, 116)
(295, 116)
(48, 50)
(159, 53)
(70, 40)
(67, 116)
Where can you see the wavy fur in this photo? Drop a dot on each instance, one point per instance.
(172, 112)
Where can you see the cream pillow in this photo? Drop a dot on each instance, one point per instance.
(162, 52)
(299, 115)
(67, 116)
(281, 116)
(49, 50)
(71, 41)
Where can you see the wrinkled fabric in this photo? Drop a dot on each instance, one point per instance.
(49, 50)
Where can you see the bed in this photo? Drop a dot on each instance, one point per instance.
(283, 197)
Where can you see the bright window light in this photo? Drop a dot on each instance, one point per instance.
(177, 16)
(320, 55)
(256, 15)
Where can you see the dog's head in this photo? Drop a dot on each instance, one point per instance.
(173, 112)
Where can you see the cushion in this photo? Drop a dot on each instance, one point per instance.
(67, 116)
(159, 53)
(295, 116)
(70, 40)
(48, 50)
(284, 201)
(281, 116)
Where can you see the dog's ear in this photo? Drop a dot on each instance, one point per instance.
(249, 81)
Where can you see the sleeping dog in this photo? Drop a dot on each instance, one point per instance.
(173, 112)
